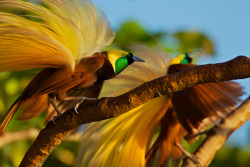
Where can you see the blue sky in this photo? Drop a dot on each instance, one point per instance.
(227, 23)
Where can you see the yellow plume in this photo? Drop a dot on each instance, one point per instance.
(60, 33)
(132, 138)
(121, 141)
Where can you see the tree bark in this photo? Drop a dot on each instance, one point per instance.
(109, 107)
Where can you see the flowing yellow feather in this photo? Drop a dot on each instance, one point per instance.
(131, 138)
(108, 143)
(61, 33)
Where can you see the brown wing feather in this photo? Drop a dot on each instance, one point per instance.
(193, 109)
(64, 79)
(63, 106)
(171, 133)
(33, 107)
(211, 101)
(51, 80)
(34, 98)
(9, 114)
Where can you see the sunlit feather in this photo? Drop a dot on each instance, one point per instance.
(131, 139)
(60, 33)
(109, 143)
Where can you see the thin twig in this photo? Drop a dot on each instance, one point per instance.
(10, 137)
(29, 134)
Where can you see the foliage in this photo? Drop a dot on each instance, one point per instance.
(229, 156)
(180, 41)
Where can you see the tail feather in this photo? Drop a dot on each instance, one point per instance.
(33, 107)
(9, 114)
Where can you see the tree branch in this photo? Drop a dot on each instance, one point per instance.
(109, 107)
(30, 134)
(218, 135)
(10, 137)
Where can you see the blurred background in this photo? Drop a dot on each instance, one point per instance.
(220, 28)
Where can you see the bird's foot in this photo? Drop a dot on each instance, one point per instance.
(77, 105)
(79, 98)
(82, 100)
(189, 155)
(56, 109)
(195, 160)
(55, 117)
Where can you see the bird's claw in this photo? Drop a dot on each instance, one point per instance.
(79, 98)
(82, 100)
(76, 107)
(54, 118)
(194, 159)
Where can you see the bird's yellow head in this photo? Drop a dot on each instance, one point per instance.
(121, 59)
(181, 59)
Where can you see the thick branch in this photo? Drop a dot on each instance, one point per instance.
(218, 135)
(105, 108)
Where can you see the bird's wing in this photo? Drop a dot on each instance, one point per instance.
(204, 104)
(51, 80)
(47, 81)
(57, 34)
(59, 82)
(92, 92)
(29, 110)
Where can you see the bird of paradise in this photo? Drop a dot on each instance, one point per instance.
(66, 38)
(149, 134)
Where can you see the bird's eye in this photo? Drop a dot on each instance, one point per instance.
(129, 55)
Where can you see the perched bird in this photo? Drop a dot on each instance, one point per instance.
(65, 37)
(151, 134)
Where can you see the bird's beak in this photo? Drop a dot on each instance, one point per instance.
(137, 59)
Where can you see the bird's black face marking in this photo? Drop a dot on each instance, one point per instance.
(189, 59)
(130, 58)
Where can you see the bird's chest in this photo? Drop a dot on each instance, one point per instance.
(105, 72)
